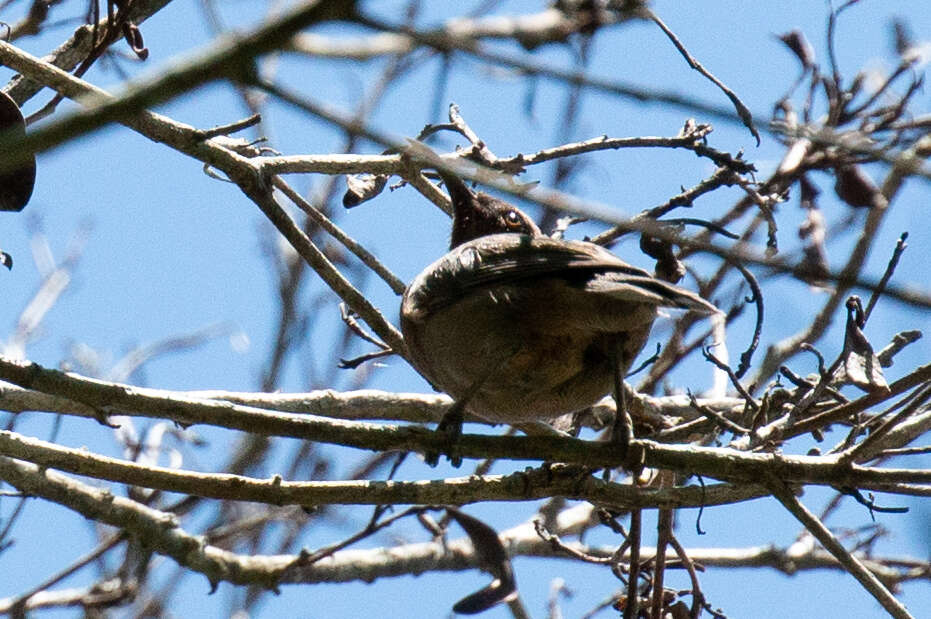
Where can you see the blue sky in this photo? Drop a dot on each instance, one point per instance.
(170, 251)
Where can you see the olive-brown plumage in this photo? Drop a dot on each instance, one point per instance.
(522, 327)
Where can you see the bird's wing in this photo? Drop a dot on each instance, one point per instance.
(512, 259)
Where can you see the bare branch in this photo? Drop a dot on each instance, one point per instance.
(853, 565)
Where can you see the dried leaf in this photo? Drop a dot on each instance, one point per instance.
(133, 37)
(493, 558)
(363, 187)
(861, 364)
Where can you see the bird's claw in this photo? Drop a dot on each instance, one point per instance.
(448, 433)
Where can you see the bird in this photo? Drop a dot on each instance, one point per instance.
(519, 327)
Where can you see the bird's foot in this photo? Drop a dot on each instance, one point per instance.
(448, 433)
(631, 452)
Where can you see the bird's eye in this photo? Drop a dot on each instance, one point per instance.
(513, 220)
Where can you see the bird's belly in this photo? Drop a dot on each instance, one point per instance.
(557, 375)
(489, 354)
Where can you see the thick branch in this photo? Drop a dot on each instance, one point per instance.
(720, 463)
(160, 532)
(521, 486)
(157, 530)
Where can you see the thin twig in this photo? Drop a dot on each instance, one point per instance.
(905, 451)
(757, 299)
(663, 535)
(394, 282)
(373, 526)
(93, 555)
(533, 67)
(862, 450)
(718, 419)
(832, 545)
(887, 275)
(632, 609)
(742, 111)
(233, 127)
(698, 598)
(480, 150)
(722, 176)
(558, 544)
(751, 402)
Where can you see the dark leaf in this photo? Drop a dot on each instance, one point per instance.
(808, 192)
(855, 187)
(133, 37)
(856, 85)
(17, 181)
(6, 260)
(493, 558)
(814, 265)
(679, 610)
(668, 267)
(800, 46)
(901, 37)
(483, 599)
(38, 12)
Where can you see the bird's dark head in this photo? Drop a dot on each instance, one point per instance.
(477, 214)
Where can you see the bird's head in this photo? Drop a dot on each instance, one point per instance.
(477, 214)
